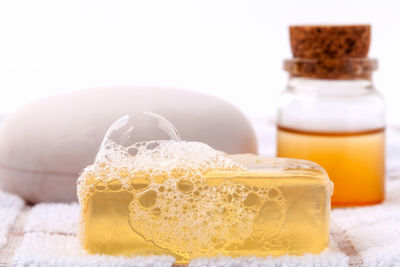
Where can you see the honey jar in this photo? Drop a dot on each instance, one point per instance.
(331, 113)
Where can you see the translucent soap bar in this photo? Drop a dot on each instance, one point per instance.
(187, 200)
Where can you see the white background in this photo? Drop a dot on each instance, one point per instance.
(232, 49)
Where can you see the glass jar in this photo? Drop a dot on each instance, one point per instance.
(336, 118)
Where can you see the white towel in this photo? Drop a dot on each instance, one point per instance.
(45, 235)
(366, 236)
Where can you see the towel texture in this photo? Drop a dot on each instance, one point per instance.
(10, 207)
(367, 236)
(45, 234)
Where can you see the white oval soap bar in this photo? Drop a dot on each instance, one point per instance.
(46, 144)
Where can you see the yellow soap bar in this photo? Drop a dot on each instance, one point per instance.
(206, 204)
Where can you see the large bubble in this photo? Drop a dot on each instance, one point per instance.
(141, 127)
(131, 132)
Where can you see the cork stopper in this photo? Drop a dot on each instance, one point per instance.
(330, 52)
(330, 41)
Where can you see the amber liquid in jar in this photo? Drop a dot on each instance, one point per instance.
(355, 161)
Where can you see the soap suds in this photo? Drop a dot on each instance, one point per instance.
(173, 205)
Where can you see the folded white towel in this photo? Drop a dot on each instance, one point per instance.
(365, 236)
(45, 235)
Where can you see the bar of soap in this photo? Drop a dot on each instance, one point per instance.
(187, 200)
(47, 143)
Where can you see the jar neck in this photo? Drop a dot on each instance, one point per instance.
(330, 86)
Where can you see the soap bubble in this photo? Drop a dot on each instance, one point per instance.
(131, 132)
(141, 127)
